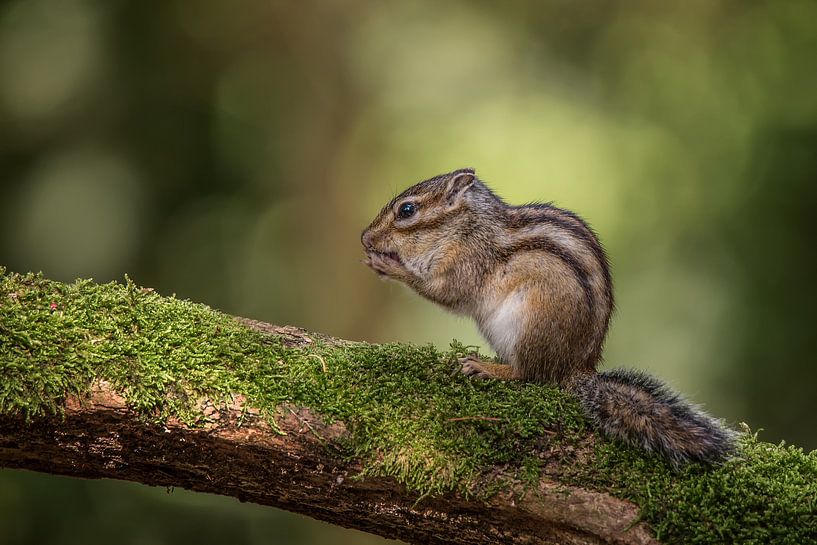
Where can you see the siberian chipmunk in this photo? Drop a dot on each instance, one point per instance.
(536, 280)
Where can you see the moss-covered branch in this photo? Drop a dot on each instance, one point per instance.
(115, 381)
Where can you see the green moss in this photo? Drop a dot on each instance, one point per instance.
(409, 416)
(767, 494)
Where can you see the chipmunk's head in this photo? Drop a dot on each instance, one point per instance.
(415, 232)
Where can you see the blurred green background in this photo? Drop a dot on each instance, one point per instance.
(231, 153)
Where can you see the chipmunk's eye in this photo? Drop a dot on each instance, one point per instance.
(407, 210)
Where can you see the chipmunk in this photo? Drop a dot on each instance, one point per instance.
(536, 280)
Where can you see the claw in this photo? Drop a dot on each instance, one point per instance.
(470, 367)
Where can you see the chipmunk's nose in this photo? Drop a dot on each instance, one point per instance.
(366, 239)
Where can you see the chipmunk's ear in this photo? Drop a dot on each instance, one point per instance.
(458, 184)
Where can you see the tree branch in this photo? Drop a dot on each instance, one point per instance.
(113, 381)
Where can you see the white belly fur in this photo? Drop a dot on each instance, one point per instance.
(502, 324)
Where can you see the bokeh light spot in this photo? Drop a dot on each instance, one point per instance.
(49, 51)
(77, 215)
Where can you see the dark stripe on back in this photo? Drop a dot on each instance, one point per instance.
(548, 214)
(546, 245)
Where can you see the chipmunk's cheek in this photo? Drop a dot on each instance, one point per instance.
(422, 266)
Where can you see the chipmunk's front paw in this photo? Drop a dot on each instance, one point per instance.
(387, 265)
(471, 366)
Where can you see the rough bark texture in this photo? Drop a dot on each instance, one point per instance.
(300, 470)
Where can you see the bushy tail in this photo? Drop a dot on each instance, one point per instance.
(641, 411)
